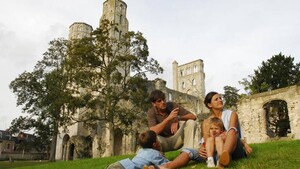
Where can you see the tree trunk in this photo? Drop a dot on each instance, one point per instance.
(108, 136)
(111, 139)
(53, 143)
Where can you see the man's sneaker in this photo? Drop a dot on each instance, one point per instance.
(210, 163)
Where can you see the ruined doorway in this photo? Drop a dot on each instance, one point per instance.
(118, 137)
(71, 152)
(65, 147)
(277, 118)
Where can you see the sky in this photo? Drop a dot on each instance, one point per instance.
(232, 37)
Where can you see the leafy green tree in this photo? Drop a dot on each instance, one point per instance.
(101, 77)
(43, 95)
(109, 74)
(277, 72)
(42, 134)
(231, 97)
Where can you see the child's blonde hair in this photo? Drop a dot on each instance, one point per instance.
(218, 122)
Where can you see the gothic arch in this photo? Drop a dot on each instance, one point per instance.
(118, 137)
(277, 118)
(65, 146)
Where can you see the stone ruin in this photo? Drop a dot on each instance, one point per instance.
(256, 113)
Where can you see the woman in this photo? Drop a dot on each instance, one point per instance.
(233, 146)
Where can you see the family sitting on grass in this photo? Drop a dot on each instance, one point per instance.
(172, 127)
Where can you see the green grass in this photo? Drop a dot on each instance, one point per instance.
(276, 154)
(6, 164)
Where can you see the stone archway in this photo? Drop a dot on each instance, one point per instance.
(277, 118)
(253, 115)
(65, 146)
(118, 137)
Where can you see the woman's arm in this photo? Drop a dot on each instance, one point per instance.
(233, 123)
(231, 137)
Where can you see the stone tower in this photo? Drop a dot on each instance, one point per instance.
(79, 30)
(115, 12)
(189, 78)
(78, 134)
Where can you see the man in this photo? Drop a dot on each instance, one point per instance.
(174, 125)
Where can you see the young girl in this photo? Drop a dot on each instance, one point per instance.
(215, 141)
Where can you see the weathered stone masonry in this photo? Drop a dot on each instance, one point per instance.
(253, 116)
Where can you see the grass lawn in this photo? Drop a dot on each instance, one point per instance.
(276, 154)
(15, 164)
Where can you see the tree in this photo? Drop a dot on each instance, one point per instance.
(42, 134)
(231, 97)
(43, 96)
(277, 72)
(109, 74)
(102, 78)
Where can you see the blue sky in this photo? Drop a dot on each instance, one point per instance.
(232, 37)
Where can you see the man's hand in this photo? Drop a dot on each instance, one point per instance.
(173, 114)
(174, 127)
(173, 117)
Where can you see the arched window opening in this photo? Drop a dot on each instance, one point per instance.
(194, 82)
(277, 119)
(118, 136)
(183, 85)
(181, 72)
(195, 68)
(188, 71)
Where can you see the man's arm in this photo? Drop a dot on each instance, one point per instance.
(189, 116)
(158, 128)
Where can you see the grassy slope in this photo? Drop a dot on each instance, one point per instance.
(279, 154)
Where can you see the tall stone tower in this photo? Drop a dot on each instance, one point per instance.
(115, 12)
(189, 78)
(78, 135)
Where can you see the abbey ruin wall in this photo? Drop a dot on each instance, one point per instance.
(252, 114)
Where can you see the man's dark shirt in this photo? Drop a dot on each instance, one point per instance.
(155, 118)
